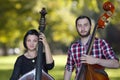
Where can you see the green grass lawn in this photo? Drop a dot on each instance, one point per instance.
(7, 63)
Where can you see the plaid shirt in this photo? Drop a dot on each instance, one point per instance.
(100, 49)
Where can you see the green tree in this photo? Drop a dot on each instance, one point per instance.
(17, 16)
(14, 21)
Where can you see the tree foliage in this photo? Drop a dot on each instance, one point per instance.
(17, 16)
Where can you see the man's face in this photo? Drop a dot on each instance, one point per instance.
(83, 27)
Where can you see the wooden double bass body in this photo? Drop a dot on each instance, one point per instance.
(38, 73)
(96, 72)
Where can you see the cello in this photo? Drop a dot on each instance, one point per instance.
(38, 73)
(96, 72)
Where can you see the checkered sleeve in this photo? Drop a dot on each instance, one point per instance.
(108, 51)
(70, 62)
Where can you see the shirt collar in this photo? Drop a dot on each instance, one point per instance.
(79, 40)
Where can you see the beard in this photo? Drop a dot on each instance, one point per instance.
(85, 35)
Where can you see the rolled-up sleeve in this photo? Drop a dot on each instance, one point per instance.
(70, 62)
(108, 51)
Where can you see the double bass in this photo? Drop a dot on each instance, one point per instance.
(96, 72)
(38, 73)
